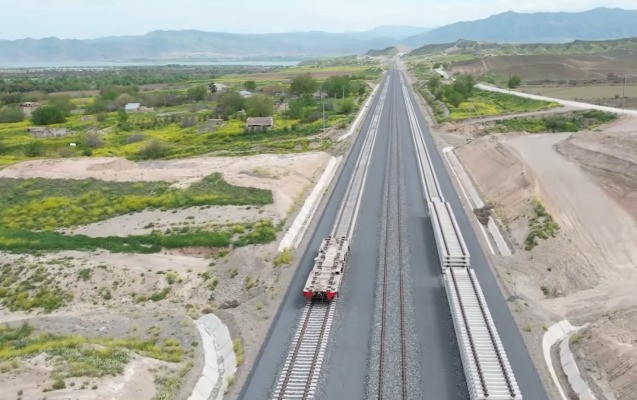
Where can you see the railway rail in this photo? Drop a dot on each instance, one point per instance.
(393, 176)
(299, 375)
(487, 371)
(303, 363)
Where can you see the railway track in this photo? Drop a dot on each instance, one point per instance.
(300, 373)
(392, 176)
(303, 363)
(486, 367)
(487, 371)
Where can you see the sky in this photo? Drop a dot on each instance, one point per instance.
(82, 19)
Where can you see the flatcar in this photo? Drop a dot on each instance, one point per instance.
(324, 281)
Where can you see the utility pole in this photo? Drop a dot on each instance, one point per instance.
(624, 95)
(323, 115)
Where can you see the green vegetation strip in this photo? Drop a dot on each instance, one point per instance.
(23, 241)
(482, 103)
(542, 226)
(82, 356)
(49, 204)
(569, 122)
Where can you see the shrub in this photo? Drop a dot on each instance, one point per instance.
(138, 137)
(92, 140)
(514, 82)
(33, 149)
(11, 114)
(154, 149)
(283, 258)
(66, 152)
(47, 115)
(346, 106)
(59, 384)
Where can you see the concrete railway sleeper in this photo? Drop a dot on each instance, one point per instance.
(487, 369)
(303, 364)
(393, 175)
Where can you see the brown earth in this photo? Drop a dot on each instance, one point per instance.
(555, 67)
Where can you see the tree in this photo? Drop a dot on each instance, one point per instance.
(63, 103)
(232, 102)
(434, 83)
(47, 115)
(514, 82)
(250, 85)
(212, 87)
(337, 86)
(197, 93)
(303, 84)
(124, 99)
(464, 85)
(259, 105)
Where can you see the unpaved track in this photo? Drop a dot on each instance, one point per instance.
(599, 228)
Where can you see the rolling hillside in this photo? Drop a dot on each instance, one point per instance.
(544, 27)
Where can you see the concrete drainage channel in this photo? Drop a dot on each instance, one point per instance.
(561, 332)
(220, 363)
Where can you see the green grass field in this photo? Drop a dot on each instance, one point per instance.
(568, 122)
(485, 104)
(49, 204)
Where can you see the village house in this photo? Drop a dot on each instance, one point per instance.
(28, 107)
(259, 124)
(137, 108)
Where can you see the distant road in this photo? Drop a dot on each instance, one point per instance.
(568, 103)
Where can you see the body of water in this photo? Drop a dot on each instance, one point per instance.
(104, 64)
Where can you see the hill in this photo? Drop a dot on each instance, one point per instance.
(199, 45)
(387, 52)
(481, 49)
(544, 27)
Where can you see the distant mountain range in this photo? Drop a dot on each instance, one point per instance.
(543, 27)
(199, 45)
(191, 45)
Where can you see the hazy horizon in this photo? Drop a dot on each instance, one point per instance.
(75, 19)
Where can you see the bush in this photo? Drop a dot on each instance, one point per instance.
(47, 115)
(514, 82)
(138, 137)
(66, 152)
(92, 140)
(33, 149)
(154, 149)
(11, 114)
(346, 106)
